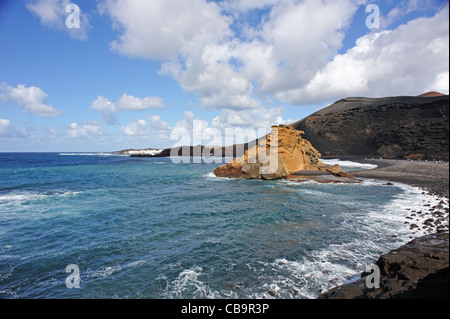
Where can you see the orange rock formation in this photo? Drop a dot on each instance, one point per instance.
(284, 151)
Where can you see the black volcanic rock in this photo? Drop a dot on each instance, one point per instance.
(199, 150)
(390, 127)
(416, 270)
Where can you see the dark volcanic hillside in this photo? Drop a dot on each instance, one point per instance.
(397, 127)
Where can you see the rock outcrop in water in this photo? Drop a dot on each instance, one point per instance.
(397, 127)
(284, 151)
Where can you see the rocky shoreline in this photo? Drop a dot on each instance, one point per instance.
(417, 270)
(420, 268)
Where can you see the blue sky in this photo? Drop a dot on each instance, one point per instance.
(136, 74)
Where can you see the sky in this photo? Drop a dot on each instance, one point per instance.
(107, 75)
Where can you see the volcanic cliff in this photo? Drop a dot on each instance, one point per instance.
(390, 127)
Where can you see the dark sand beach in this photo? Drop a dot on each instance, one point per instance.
(431, 176)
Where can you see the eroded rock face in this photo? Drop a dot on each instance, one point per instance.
(284, 151)
(229, 170)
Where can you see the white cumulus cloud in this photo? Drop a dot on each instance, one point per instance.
(136, 128)
(89, 129)
(160, 126)
(32, 99)
(232, 126)
(158, 123)
(7, 129)
(197, 44)
(236, 54)
(160, 29)
(107, 108)
(52, 14)
(440, 83)
(129, 102)
(409, 60)
(125, 102)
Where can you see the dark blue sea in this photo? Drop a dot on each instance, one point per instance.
(151, 228)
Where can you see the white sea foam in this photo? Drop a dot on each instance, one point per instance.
(305, 277)
(349, 164)
(210, 175)
(323, 186)
(382, 229)
(110, 270)
(213, 177)
(404, 204)
(18, 197)
(188, 281)
(16, 205)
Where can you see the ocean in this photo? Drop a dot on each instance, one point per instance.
(150, 228)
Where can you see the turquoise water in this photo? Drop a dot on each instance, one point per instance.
(150, 228)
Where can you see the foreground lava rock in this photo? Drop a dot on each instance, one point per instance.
(284, 151)
(419, 269)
